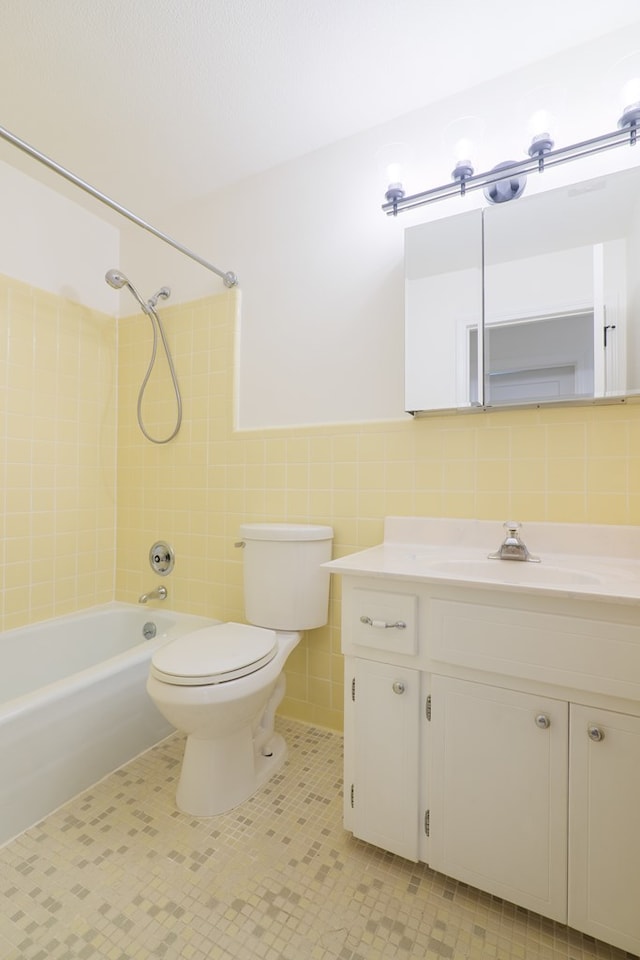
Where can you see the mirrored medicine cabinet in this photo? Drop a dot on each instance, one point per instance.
(532, 302)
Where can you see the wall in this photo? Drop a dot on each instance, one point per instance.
(321, 337)
(57, 455)
(57, 404)
(579, 464)
(51, 242)
(321, 267)
(313, 427)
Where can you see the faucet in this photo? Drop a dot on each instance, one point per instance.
(513, 548)
(160, 593)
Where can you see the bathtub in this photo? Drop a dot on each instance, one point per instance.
(73, 704)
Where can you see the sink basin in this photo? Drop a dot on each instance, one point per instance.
(513, 571)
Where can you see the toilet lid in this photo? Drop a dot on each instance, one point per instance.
(223, 651)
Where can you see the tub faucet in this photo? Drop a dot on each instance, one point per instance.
(160, 593)
(512, 547)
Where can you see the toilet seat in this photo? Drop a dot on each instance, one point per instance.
(214, 654)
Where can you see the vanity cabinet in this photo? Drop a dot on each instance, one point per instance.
(381, 798)
(496, 737)
(498, 800)
(604, 819)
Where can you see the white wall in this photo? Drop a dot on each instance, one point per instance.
(52, 243)
(320, 266)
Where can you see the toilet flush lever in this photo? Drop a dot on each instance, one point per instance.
(240, 543)
(382, 624)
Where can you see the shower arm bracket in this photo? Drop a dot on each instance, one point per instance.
(229, 278)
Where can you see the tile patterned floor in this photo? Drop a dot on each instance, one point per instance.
(119, 874)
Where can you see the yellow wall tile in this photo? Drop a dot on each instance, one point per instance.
(53, 441)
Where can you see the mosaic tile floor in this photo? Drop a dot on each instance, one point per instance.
(119, 874)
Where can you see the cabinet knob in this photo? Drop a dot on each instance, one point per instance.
(595, 734)
(398, 686)
(543, 721)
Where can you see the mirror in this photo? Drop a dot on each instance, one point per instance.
(527, 303)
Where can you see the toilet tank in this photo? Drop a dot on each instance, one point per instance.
(285, 588)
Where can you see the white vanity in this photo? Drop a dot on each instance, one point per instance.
(492, 712)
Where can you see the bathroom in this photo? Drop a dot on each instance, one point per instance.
(267, 434)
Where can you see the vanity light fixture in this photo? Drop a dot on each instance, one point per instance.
(507, 180)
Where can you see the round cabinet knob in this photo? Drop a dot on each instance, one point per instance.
(398, 686)
(543, 721)
(595, 734)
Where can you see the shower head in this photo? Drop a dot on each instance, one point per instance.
(118, 280)
(115, 279)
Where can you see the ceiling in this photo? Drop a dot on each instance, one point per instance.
(161, 102)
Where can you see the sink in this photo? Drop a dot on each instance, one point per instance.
(512, 571)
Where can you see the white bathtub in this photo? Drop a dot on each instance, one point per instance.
(73, 704)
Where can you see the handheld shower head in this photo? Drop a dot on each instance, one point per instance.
(115, 279)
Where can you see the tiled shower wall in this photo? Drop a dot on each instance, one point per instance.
(576, 464)
(57, 455)
(58, 474)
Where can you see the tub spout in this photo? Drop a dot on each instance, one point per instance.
(160, 593)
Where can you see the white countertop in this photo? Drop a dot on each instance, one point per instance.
(598, 562)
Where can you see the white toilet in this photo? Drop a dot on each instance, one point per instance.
(221, 685)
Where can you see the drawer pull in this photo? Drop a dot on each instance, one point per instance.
(543, 721)
(382, 624)
(398, 686)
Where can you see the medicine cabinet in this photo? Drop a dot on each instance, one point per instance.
(532, 302)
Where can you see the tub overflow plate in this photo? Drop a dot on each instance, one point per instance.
(161, 558)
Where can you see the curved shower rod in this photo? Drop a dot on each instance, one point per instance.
(230, 279)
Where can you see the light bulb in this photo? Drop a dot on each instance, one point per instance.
(539, 109)
(394, 172)
(631, 91)
(463, 149)
(461, 139)
(624, 85)
(393, 160)
(540, 122)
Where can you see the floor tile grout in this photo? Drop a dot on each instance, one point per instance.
(118, 873)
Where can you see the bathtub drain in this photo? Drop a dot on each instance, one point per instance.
(149, 630)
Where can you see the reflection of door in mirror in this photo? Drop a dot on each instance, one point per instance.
(544, 306)
(539, 359)
(552, 283)
(443, 302)
(556, 267)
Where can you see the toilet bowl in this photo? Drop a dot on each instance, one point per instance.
(222, 684)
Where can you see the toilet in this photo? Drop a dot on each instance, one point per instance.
(222, 684)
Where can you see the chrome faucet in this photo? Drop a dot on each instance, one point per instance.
(160, 593)
(512, 547)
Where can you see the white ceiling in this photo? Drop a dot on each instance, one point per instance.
(160, 102)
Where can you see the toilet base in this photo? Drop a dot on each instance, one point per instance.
(218, 775)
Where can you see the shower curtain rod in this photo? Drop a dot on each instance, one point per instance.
(230, 279)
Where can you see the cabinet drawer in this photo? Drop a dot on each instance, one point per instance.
(596, 655)
(381, 620)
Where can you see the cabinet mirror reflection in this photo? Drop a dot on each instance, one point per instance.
(531, 302)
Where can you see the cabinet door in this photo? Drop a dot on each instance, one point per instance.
(604, 826)
(383, 790)
(498, 817)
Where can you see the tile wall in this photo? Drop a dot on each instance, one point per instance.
(57, 455)
(579, 464)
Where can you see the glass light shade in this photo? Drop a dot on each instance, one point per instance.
(462, 139)
(623, 82)
(393, 161)
(539, 111)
